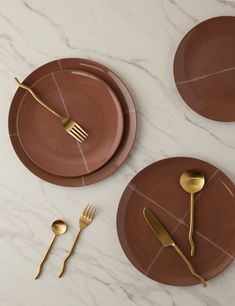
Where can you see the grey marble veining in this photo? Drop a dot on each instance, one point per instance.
(137, 39)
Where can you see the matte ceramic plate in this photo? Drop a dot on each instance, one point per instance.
(157, 187)
(86, 99)
(204, 68)
(128, 110)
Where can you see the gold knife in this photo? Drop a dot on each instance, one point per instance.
(166, 239)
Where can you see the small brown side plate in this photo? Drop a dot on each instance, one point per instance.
(204, 68)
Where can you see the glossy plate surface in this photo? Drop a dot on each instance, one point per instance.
(157, 187)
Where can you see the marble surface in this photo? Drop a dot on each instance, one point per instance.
(137, 39)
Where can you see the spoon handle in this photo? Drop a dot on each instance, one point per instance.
(44, 258)
(191, 226)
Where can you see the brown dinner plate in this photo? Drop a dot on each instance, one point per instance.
(157, 187)
(86, 99)
(123, 96)
(204, 68)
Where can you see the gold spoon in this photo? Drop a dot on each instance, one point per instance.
(192, 182)
(58, 227)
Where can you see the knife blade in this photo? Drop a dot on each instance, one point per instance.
(158, 228)
(166, 240)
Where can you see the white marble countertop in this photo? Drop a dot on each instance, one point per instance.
(137, 39)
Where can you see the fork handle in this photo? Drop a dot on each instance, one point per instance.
(36, 97)
(69, 253)
(200, 278)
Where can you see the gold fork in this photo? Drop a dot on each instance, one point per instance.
(70, 126)
(85, 219)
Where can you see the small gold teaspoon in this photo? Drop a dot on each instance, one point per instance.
(58, 227)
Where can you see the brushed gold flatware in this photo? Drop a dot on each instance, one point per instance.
(192, 182)
(70, 126)
(85, 219)
(167, 241)
(58, 227)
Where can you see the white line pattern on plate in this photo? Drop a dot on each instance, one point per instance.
(83, 157)
(67, 114)
(60, 64)
(160, 251)
(60, 94)
(132, 187)
(22, 100)
(204, 76)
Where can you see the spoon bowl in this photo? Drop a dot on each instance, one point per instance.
(192, 181)
(58, 227)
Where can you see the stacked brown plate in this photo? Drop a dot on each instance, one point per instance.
(93, 96)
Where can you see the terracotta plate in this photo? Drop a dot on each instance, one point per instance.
(86, 99)
(157, 187)
(127, 106)
(204, 68)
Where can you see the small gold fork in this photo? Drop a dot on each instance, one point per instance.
(86, 218)
(70, 126)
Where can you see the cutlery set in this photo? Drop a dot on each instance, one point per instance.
(192, 182)
(59, 227)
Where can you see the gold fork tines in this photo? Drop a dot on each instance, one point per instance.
(70, 126)
(74, 129)
(86, 218)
